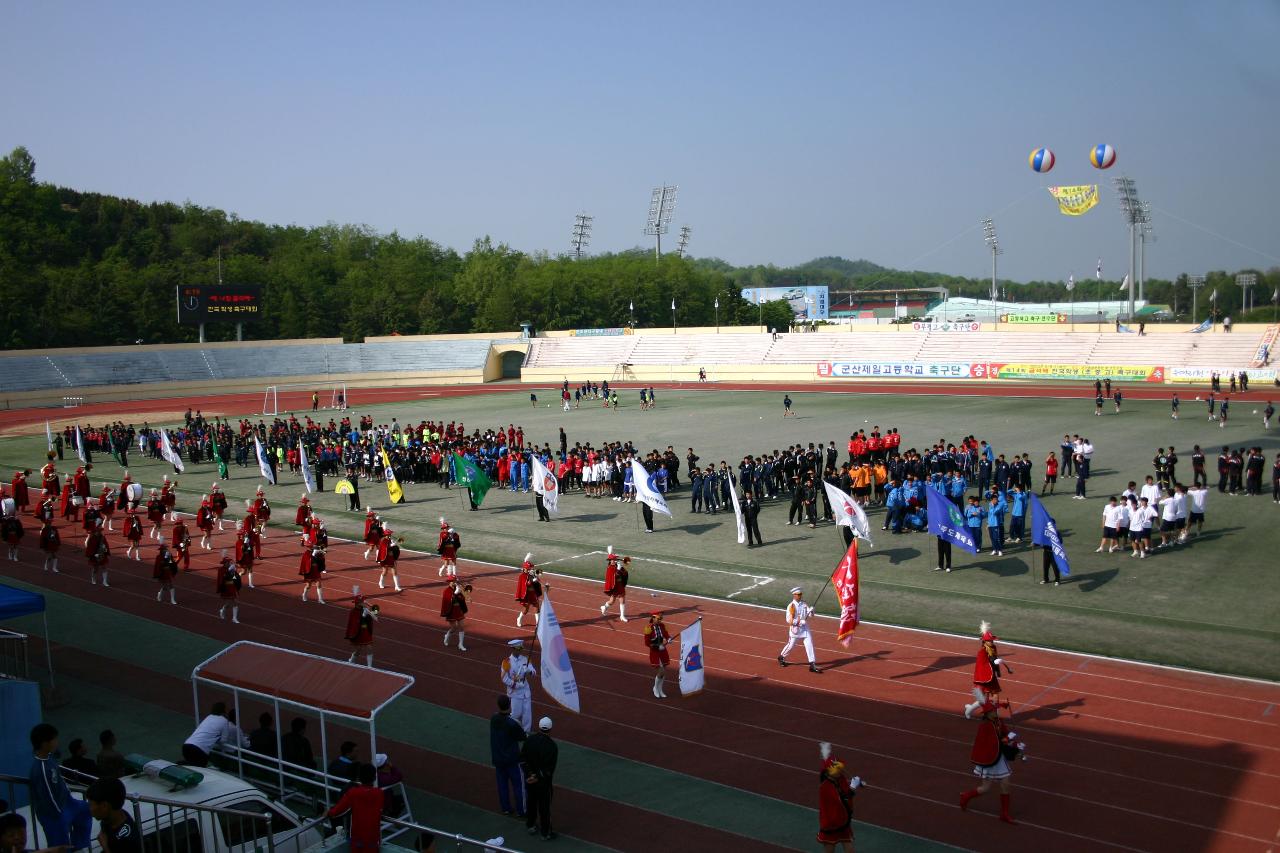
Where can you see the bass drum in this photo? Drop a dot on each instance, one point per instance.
(8, 507)
(134, 493)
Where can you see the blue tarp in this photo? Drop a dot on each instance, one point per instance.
(16, 602)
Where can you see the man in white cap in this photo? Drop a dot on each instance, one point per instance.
(798, 613)
(539, 756)
(516, 672)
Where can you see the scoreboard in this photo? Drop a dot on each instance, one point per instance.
(206, 303)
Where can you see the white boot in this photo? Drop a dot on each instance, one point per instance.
(159, 595)
(461, 635)
(622, 611)
(55, 565)
(304, 592)
(249, 575)
(441, 572)
(604, 608)
(173, 596)
(657, 680)
(235, 614)
(352, 659)
(368, 661)
(380, 584)
(396, 580)
(535, 618)
(520, 620)
(366, 552)
(222, 612)
(447, 635)
(104, 578)
(319, 595)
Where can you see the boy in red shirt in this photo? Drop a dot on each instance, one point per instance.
(365, 801)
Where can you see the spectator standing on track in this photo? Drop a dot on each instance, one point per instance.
(505, 737)
(786, 406)
(539, 756)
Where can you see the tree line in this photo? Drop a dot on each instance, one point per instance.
(87, 269)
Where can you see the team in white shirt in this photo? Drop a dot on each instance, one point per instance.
(1134, 514)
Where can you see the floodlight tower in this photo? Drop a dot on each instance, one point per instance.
(581, 234)
(662, 206)
(1195, 282)
(1131, 206)
(1246, 281)
(989, 230)
(1145, 236)
(683, 245)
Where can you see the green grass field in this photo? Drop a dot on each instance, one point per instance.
(1208, 605)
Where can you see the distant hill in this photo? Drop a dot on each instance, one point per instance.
(842, 266)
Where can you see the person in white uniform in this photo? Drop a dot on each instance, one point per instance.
(516, 672)
(798, 613)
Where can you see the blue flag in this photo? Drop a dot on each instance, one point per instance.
(1044, 532)
(947, 521)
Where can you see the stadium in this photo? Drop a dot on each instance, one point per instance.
(327, 537)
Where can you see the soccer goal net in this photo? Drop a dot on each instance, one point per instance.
(303, 397)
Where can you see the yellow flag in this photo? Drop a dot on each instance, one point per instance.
(1075, 201)
(393, 485)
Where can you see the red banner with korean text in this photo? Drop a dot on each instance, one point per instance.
(845, 580)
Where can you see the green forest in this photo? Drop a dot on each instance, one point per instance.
(84, 269)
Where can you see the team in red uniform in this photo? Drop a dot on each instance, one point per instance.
(835, 802)
(228, 585)
(98, 552)
(180, 543)
(262, 512)
(155, 515)
(372, 532)
(528, 590)
(21, 493)
(165, 570)
(169, 497)
(12, 531)
(204, 522)
(360, 628)
(986, 671)
(994, 746)
(448, 547)
(302, 518)
(615, 584)
(453, 607)
(388, 554)
(133, 535)
(656, 638)
(218, 503)
(106, 507)
(248, 544)
(50, 542)
(312, 569)
(92, 515)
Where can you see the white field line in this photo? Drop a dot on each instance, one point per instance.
(756, 580)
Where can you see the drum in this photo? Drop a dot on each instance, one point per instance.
(76, 500)
(134, 493)
(8, 507)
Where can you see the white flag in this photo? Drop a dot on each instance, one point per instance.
(1071, 282)
(263, 465)
(737, 512)
(1275, 297)
(308, 478)
(646, 490)
(1213, 297)
(170, 455)
(79, 443)
(693, 674)
(673, 305)
(633, 306)
(1099, 272)
(848, 512)
(557, 671)
(48, 434)
(1124, 285)
(546, 484)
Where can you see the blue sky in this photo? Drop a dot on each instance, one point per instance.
(877, 130)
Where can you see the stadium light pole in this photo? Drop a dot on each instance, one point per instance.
(1245, 281)
(760, 303)
(993, 242)
(1131, 206)
(1145, 236)
(581, 234)
(717, 315)
(662, 206)
(682, 245)
(1195, 282)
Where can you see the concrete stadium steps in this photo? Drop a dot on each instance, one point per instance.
(581, 352)
(701, 349)
(1039, 348)
(813, 348)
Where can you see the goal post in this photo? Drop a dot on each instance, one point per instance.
(302, 396)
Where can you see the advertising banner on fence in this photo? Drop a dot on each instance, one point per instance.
(1203, 374)
(1082, 372)
(1033, 319)
(598, 333)
(807, 303)
(895, 370)
(919, 326)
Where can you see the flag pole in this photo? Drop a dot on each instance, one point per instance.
(856, 538)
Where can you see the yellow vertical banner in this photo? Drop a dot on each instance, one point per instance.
(393, 485)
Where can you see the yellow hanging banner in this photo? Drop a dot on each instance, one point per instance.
(1075, 201)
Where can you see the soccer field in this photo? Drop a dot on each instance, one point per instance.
(1205, 605)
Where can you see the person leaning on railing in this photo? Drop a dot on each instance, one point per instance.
(365, 801)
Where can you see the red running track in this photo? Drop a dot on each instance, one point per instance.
(1123, 756)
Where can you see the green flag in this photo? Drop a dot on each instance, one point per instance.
(222, 465)
(468, 474)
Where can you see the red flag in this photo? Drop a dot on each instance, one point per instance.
(845, 580)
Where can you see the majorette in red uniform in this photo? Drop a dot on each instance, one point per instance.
(986, 671)
(218, 501)
(180, 543)
(169, 497)
(312, 569)
(360, 628)
(44, 508)
(204, 522)
(388, 553)
(228, 586)
(453, 608)
(21, 493)
(107, 506)
(444, 532)
(615, 584)
(835, 802)
(49, 478)
(528, 590)
(133, 535)
(450, 544)
(247, 547)
(98, 553)
(155, 515)
(656, 638)
(80, 485)
(50, 542)
(165, 570)
(994, 747)
(302, 517)
(126, 501)
(92, 515)
(261, 511)
(68, 508)
(12, 531)
(372, 532)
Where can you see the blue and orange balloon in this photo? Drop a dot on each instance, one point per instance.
(1102, 156)
(1041, 160)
